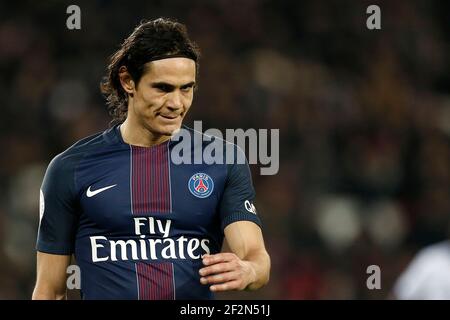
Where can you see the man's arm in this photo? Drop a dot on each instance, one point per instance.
(51, 276)
(246, 267)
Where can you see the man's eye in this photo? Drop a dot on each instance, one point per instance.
(164, 88)
(186, 89)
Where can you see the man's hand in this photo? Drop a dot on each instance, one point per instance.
(225, 271)
(247, 266)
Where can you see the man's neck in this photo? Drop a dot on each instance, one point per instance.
(139, 136)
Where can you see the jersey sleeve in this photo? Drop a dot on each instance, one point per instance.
(58, 213)
(237, 200)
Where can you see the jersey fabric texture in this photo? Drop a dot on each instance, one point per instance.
(136, 222)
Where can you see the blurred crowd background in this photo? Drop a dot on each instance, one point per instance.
(364, 119)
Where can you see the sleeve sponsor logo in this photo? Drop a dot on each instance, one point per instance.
(41, 205)
(250, 207)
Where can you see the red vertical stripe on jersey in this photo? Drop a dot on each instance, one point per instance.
(150, 179)
(155, 281)
(150, 190)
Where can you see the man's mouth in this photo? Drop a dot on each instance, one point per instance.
(169, 116)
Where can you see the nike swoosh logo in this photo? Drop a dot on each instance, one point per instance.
(90, 193)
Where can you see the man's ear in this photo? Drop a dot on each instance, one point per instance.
(126, 81)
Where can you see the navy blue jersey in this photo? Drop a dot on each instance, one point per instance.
(137, 223)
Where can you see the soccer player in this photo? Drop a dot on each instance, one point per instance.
(139, 225)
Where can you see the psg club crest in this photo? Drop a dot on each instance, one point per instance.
(201, 185)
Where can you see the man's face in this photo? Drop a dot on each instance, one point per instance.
(164, 95)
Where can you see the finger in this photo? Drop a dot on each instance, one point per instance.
(227, 286)
(217, 268)
(219, 257)
(219, 278)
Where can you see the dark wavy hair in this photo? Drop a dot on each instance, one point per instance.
(150, 40)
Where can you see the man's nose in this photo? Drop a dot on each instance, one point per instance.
(174, 101)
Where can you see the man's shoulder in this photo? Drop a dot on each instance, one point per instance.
(83, 145)
(209, 147)
(79, 149)
(212, 137)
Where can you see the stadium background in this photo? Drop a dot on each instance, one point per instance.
(364, 119)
